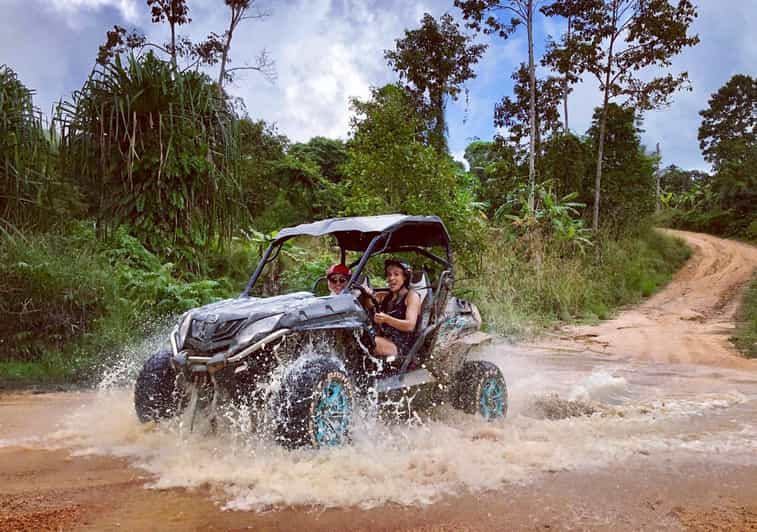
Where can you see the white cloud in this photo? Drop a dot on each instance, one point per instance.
(128, 8)
(327, 51)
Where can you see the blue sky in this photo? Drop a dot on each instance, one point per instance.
(327, 51)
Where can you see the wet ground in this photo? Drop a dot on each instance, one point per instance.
(606, 431)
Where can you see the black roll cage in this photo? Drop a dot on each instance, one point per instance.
(274, 248)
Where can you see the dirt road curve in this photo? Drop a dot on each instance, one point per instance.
(691, 319)
(644, 422)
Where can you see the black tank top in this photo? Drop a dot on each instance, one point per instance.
(403, 340)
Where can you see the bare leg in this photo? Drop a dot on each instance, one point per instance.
(385, 347)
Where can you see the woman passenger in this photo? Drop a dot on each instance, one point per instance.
(397, 312)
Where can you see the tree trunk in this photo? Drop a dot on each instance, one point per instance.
(657, 181)
(440, 139)
(173, 45)
(603, 122)
(532, 105)
(222, 70)
(226, 48)
(565, 105)
(565, 81)
(598, 178)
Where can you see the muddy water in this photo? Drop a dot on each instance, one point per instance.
(568, 412)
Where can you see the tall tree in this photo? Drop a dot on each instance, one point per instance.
(728, 124)
(728, 140)
(173, 12)
(434, 61)
(239, 11)
(629, 189)
(491, 16)
(493, 165)
(562, 55)
(514, 114)
(213, 50)
(615, 41)
(385, 150)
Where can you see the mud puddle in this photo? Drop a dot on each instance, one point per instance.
(567, 413)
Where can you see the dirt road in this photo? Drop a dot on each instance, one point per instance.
(647, 421)
(688, 322)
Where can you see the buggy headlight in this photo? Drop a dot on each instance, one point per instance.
(257, 329)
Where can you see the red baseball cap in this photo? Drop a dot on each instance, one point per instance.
(338, 268)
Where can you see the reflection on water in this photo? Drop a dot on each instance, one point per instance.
(567, 412)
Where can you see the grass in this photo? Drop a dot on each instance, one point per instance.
(745, 337)
(523, 291)
(49, 369)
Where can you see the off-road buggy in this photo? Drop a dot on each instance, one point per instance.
(235, 349)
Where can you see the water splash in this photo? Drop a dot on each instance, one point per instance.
(566, 414)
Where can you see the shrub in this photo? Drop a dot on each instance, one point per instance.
(69, 292)
(157, 150)
(54, 288)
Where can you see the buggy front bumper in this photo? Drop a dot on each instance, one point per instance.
(193, 363)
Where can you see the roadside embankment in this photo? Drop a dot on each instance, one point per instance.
(525, 289)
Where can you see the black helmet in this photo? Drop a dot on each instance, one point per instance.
(400, 264)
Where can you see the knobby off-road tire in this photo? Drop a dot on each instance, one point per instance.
(315, 405)
(480, 389)
(155, 394)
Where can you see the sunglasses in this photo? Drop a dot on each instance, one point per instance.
(338, 279)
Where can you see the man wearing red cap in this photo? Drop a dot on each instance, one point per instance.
(337, 276)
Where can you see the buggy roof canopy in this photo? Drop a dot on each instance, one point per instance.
(357, 232)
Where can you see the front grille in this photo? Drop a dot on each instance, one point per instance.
(207, 332)
(227, 330)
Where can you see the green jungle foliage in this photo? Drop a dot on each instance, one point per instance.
(286, 184)
(552, 218)
(493, 166)
(30, 194)
(566, 167)
(158, 150)
(725, 202)
(566, 161)
(390, 170)
(64, 287)
(164, 197)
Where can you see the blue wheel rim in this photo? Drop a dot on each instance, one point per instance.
(493, 398)
(332, 415)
